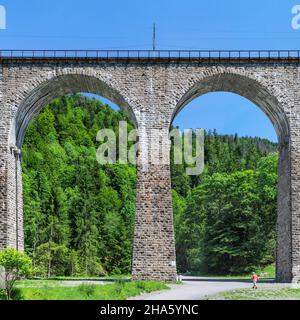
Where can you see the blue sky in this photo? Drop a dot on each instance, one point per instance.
(188, 24)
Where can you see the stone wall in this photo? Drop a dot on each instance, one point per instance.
(152, 95)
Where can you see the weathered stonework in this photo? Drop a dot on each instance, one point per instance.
(152, 94)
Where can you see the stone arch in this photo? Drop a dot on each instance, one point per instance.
(262, 93)
(25, 102)
(39, 91)
(274, 103)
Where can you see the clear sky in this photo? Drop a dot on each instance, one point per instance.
(188, 24)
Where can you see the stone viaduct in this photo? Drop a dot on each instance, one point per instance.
(152, 87)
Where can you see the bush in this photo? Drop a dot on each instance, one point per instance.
(16, 265)
(2, 294)
(16, 294)
(140, 285)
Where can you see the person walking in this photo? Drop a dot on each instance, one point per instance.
(254, 278)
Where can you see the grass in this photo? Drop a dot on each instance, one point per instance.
(38, 283)
(266, 272)
(259, 294)
(58, 280)
(110, 277)
(51, 290)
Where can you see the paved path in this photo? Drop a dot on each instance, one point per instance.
(193, 288)
(197, 288)
(75, 283)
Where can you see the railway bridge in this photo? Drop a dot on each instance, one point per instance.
(152, 87)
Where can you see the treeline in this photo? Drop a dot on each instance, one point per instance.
(79, 215)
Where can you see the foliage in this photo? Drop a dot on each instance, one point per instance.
(78, 214)
(16, 265)
(52, 258)
(229, 222)
(115, 291)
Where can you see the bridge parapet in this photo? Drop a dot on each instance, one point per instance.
(164, 56)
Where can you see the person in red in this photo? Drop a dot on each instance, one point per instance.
(254, 278)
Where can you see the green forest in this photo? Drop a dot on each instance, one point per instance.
(79, 215)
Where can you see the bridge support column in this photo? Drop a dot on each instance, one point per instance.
(295, 200)
(11, 217)
(284, 217)
(3, 202)
(154, 245)
(288, 223)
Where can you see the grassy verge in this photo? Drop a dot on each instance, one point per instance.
(27, 283)
(266, 272)
(117, 291)
(111, 277)
(58, 281)
(259, 294)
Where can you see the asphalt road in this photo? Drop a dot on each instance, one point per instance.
(197, 288)
(193, 288)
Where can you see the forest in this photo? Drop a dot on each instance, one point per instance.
(79, 215)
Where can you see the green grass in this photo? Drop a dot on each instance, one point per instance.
(110, 277)
(120, 290)
(259, 294)
(57, 281)
(38, 283)
(266, 272)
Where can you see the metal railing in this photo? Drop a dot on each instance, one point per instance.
(155, 54)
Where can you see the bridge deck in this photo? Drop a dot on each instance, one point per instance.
(153, 56)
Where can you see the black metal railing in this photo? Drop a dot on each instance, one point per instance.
(155, 54)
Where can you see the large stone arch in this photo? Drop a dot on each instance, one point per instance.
(273, 103)
(39, 91)
(264, 94)
(28, 100)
